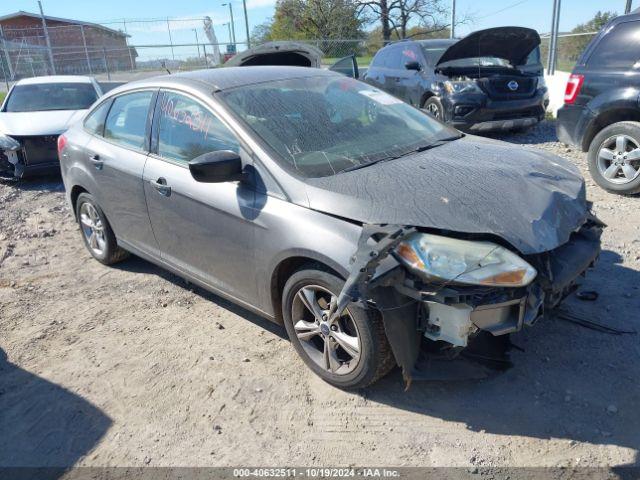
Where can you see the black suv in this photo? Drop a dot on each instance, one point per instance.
(490, 80)
(601, 111)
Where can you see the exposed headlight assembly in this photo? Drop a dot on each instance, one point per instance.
(450, 260)
(8, 143)
(462, 87)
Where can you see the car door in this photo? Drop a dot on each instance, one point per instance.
(203, 229)
(394, 69)
(115, 158)
(408, 85)
(376, 72)
(347, 66)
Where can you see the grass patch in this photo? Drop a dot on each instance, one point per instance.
(363, 61)
(2, 95)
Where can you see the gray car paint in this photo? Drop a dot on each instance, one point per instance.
(235, 236)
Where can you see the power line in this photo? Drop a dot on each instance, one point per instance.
(505, 8)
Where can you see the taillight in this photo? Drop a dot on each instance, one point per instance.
(574, 84)
(62, 142)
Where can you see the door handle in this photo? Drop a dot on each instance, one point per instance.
(161, 186)
(97, 162)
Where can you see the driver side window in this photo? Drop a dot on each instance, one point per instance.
(187, 129)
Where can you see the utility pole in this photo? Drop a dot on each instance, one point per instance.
(173, 55)
(452, 30)
(553, 41)
(6, 53)
(86, 50)
(246, 22)
(627, 8)
(233, 29)
(46, 38)
(195, 30)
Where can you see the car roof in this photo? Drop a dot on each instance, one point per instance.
(218, 79)
(438, 42)
(55, 79)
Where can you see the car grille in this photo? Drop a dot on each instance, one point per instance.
(39, 149)
(499, 87)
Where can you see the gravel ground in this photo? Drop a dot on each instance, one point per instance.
(132, 366)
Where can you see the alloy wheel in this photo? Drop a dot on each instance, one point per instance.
(619, 159)
(92, 228)
(433, 109)
(333, 345)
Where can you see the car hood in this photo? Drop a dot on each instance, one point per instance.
(531, 199)
(38, 123)
(511, 43)
(274, 53)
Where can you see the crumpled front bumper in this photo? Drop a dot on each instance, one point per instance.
(37, 155)
(452, 316)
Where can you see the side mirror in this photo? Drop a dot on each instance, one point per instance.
(413, 66)
(216, 167)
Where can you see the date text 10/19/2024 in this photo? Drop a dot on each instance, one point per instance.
(316, 472)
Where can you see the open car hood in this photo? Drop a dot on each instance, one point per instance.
(532, 200)
(286, 53)
(511, 43)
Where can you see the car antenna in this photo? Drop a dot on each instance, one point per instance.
(163, 64)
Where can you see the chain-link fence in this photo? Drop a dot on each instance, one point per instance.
(126, 49)
(569, 48)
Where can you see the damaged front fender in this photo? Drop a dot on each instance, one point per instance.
(455, 317)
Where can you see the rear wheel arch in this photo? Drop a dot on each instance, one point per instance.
(76, 190)
(285, 269)
(606, 118)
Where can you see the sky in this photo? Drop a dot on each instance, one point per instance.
(483, 14)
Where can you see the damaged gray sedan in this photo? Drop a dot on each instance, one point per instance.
(376, 234)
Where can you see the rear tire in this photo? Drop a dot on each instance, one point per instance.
(612, 164)
(96, 232)
(374, 357)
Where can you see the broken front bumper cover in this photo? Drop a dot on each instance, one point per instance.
(31, 155)
(451, 316)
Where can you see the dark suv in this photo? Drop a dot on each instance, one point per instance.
(601, 111)
(490, 80)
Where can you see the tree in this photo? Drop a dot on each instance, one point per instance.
(315, 19)
(396, 15)
(571, 47)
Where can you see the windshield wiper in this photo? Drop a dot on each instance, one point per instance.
(422, 148)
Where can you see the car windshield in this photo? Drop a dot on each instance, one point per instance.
(51, 96)
(320, 126)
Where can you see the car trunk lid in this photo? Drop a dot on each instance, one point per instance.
(293, 54)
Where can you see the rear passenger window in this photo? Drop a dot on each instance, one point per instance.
(94, 123)
(378, 60)
(187, 129)
(620, 48)
(393, 59)
(127, 119)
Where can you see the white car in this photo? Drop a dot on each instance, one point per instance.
(34, 113)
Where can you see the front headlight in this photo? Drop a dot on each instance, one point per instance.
(462, 87)
(463, 261)
(8, 143)
(541, 82)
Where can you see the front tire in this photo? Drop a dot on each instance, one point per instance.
(96, 232)
(614, 158)
(433, 106)
(353, 352)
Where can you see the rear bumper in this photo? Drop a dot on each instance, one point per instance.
(572, 124)
(479, 113)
